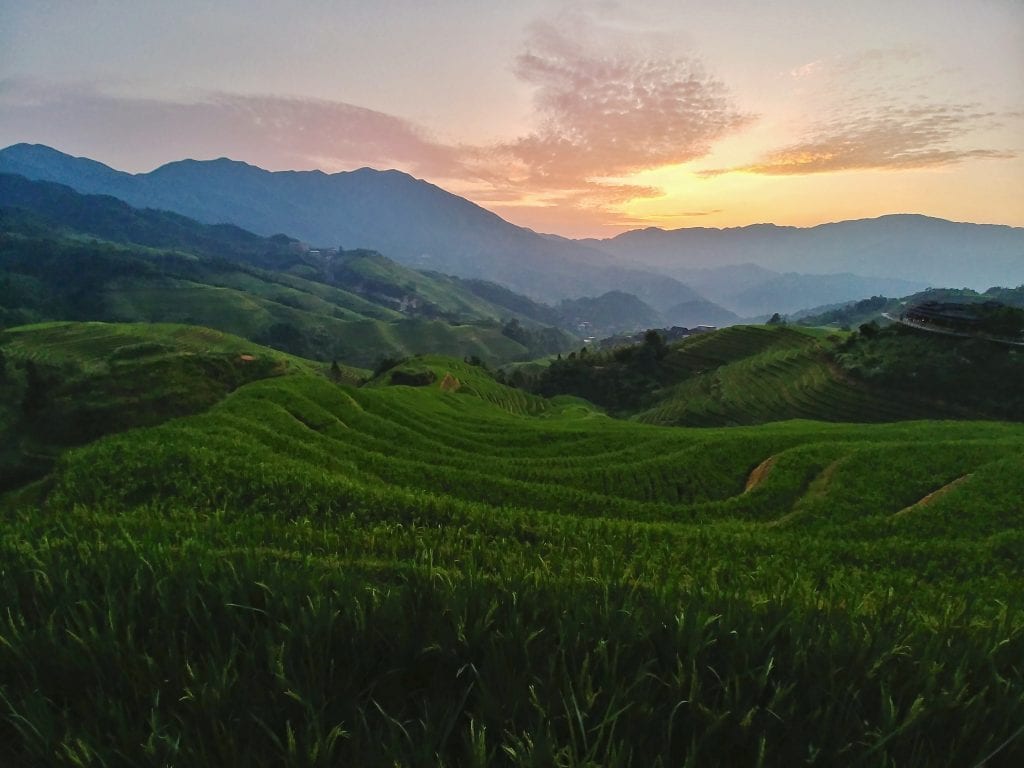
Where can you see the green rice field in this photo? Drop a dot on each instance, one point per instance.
(311, 573)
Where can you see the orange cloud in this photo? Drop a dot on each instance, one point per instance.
(896, 139)
(603, 109)
(878, 117)
(604, 115)
(273, 131)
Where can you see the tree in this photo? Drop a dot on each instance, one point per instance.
(335, 371)
(776, 319)
(386, 363)
(869, 330)
(513, 330)
(656, 343)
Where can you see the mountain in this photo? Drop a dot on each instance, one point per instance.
(741, 291)
(608, 314)
(719, 283)
(750, 271)
(67, 256)
(407, 219)
(699, 312)
(109, 218)
(791, 292)
(905, 247)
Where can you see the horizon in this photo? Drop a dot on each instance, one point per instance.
(655, 227)
(576, 119)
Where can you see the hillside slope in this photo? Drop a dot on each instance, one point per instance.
(64, 384)
(751, 375)
(352, 306)
(67, 279)
(408, 219)
(45, 208)
(856, 313)
(756, 374)
(407, 574)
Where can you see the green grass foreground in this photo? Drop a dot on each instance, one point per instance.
(463, 574)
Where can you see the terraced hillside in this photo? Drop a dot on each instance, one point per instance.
(99, 346)
(63, 384)
(874, 309)
(753, 375)
(448, 571)
(746, 375)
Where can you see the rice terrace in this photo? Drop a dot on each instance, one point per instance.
(308, 461)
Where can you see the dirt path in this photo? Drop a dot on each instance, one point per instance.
(936, 494)
(816, 489)
(759, 473)
(946, 332)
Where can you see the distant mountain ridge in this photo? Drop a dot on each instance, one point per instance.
(749, 271)
(755, 292)
(406, 219)
(908, 247)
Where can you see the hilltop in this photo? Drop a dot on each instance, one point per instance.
(756, 374)
(65, 384)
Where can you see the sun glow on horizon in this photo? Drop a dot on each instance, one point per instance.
(576, 119)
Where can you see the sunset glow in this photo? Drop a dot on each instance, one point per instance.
(578, 119)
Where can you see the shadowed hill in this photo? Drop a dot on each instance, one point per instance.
(757, 374)
(65, 384)
(853, 314)
(109, 218)
(751, 375)
(372, 275)
(69, 279)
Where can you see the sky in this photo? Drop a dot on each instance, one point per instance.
(581, 119)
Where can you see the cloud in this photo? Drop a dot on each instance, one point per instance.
(890, 139)
(879, 116)
(604, 108)
(277, 132)
(810, 69)
(604, 113)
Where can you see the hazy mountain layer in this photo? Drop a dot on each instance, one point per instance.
(405, 218)
(906, 247)
(426, 227)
